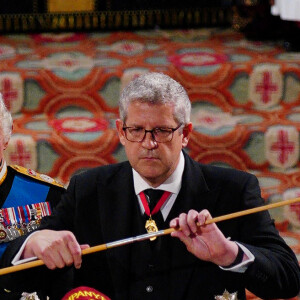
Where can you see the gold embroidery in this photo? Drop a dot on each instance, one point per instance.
(4, 176)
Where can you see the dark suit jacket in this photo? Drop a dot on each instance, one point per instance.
(99, 208)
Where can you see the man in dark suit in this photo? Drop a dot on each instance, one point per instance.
(113, 202)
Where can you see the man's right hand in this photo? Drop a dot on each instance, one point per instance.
(56, 249)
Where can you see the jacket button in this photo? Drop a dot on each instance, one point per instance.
(149, 289)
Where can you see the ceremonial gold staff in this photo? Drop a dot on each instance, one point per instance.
(147, 236)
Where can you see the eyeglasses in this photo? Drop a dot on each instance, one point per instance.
(160, 135)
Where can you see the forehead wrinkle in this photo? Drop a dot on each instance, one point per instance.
(145, 115)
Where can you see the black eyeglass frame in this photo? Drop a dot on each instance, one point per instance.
(152, 133)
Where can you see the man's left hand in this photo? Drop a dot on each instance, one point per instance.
(206, 242)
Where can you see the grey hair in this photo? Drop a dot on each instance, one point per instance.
(156, 88)
(5, 121)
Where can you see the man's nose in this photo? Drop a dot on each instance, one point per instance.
(149, 141)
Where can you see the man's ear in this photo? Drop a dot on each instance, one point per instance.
(186, 131)
(119, 126)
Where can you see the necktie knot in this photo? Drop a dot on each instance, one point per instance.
(153, 197)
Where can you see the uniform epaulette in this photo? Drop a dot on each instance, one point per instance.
(36, 175)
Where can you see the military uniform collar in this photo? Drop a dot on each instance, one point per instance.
(3, 171)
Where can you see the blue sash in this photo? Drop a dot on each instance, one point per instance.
(24, 191)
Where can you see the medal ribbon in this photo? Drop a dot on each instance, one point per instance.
(21, 214)
(6, 217)
(12, 215)
(24, 214)
(159, 204)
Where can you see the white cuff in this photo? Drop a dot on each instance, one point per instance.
(16, 260)
(241, 267)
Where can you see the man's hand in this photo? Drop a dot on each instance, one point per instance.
(206, 242)
(56, 249)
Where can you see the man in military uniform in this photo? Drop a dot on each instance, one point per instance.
(25, 198)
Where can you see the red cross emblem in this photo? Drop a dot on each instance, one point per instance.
(9, 94)
(128, 47)
(266, 88)
(283, 146)
(20, 156)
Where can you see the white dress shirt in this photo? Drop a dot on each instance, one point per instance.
(172, 184)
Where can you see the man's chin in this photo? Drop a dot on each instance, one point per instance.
(154, 179)
(149, 176)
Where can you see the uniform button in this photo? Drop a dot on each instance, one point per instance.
(149, 289)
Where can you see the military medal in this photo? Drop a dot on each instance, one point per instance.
(17, 221)
(3, 233)
(150, 223)
(12, 232)
(227, 296)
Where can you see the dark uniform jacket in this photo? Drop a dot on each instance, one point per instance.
(25, 197)
(101, 206)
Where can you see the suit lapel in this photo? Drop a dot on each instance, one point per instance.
(194, 194)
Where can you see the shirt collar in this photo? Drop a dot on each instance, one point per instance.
(172, 184)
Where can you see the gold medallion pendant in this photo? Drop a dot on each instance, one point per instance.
(151, 227)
